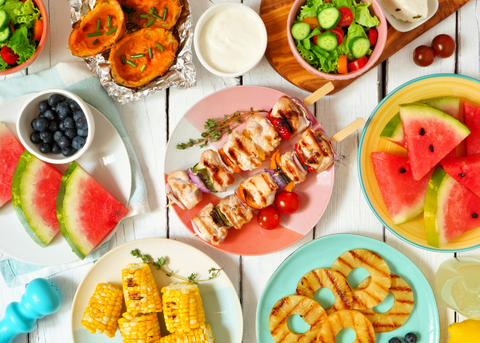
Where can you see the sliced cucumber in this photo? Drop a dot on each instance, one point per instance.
(359, 46)
(327, 41)
(300, 31)
(4, 34)
(329, 18)
(3, 18)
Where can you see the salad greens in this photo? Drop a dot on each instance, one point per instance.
(327, 61)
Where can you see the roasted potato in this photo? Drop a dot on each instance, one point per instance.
(155, 9)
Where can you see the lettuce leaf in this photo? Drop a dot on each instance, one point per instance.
(363, 16)
(354, 30)
(21, 45)
(328, 60)
(3, 64)
(22, 13)
(307, 55)
(312, 9)
(345, 3)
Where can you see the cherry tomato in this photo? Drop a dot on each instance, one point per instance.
(372, 35)
(444, 46)
(315, 39)
(346, 16)
(312, 21)
(287, 202)
(8, 56)
(269, 218)
(358, 64)
(423, 56)
(339, 33)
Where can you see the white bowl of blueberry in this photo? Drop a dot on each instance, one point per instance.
(56, 125)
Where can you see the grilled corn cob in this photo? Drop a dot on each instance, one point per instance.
(182, 307)
(143, 328)
(203, 334)
(140, 290)
(103, 310)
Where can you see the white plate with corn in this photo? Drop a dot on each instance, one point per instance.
(156, 290)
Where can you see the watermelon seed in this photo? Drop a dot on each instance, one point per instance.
(462, 175)
(474, 215)
(422, 131)
(402, 170)
(431, 148)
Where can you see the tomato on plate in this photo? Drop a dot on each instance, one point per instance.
(8, 56)
(358, 64)
(269, 218)
(339, 33)
(287, 202)
(312, 21)
(372, 35)
(346, 16)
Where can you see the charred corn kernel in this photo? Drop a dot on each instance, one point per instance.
(103, 310)
(203, 334)
(142, 328)
(140, 290)
(182, 307)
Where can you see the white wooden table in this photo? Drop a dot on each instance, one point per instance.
(149, 123)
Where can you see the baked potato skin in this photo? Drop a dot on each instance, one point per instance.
(81, 45)
(174, 9)
(138, 43)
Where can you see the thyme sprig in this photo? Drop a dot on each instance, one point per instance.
(161, 264)
(215, 128)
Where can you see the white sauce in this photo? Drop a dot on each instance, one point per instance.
(230, 41)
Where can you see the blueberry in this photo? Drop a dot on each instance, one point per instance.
(35, 138)
(64, 142)
(69, 151)
(82, 123)
(46, 136)
(63, 110)
(74, 106)
(56, 148)
(49, 114)
(82, 133)
(61, 126)
(53, 126)
(54, 99)
(41, 115)
(43, 105)
(69, 123)
(45, 148)
(394, 340)
(57, 135)
(78, 114)
(78, 142)
(410, 338)
(33, 123)
(71, 133)
(41, 124)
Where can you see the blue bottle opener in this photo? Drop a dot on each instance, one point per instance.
(42, 297)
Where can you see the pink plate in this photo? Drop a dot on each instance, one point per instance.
(252, 239)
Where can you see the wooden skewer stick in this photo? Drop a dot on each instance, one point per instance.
(169, 204)
(351, 128)
(195, 235)
(318, 94)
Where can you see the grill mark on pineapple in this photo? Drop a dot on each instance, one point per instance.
(370, 337)
(361, 304)
(385, 289)
(401, 289)
(340, 294)
(410, 302)
(355, 256)
(286, 316)
(340, 259)
(372, 296)
(318, 279)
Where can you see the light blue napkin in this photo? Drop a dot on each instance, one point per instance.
(76, 78)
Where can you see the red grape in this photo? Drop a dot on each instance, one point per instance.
(423, 56)
(444, 46)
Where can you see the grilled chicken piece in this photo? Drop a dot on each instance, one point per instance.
(243, 151)
(292, 115)
(290, 169)
(183, 189)
(221, 178)
(316, 150)
(263, 134)
(259, 190)
(207, 228)
(236, 213)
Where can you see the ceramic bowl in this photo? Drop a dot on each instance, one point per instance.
(377, 51)
(30, 111)
(404, 26)
(41, 44)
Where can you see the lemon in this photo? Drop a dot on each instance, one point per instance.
(467, 331)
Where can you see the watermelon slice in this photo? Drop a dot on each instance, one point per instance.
(465, 170)
(87, 212)
(430, 135)
(450, 209)
(10, 152)
(403, 196)
(393, 131)
(34, 191)
(472, 120)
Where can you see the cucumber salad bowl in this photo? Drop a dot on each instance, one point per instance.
(336, 39)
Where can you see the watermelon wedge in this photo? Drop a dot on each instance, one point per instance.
(34, 191)
(403, 196)
(450, 209)
(10, 152)
(472, 120)
(86, 212)
(430, 135)
(466, 170)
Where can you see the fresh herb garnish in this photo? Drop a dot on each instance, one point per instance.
(112, 30)
(150, 22)
(398, 9)
(130, 63)
(143, 68)
(164, 14)
(93, 34)
(417, 17)
(160, 46)
(150, 53)
(109, 21)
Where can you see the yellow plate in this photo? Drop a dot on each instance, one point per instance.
(430, 86)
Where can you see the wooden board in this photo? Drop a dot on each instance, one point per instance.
(275, 13)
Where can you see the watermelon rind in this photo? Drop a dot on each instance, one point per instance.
(393, 131)
(431, 208)
(447, 104)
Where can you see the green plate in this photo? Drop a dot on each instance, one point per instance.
(321, 253)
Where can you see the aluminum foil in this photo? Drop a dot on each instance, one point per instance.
(181, 74)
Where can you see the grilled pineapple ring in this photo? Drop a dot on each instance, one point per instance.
(308, 309)
(330, 279)
(400, 311)
(346, 319)
(378, 288)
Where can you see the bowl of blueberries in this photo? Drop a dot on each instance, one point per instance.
(56, 126)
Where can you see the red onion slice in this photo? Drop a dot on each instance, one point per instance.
(198, 232)
(173, 198)
(197, 181)
(279, 181)
(306, 112)
(270, 171)
(241, 202)
(298, 163)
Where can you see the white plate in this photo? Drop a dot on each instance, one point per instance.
(106, 160)
(222, 307)
(405, 26)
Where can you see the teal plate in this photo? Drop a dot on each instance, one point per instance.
(321, 253)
